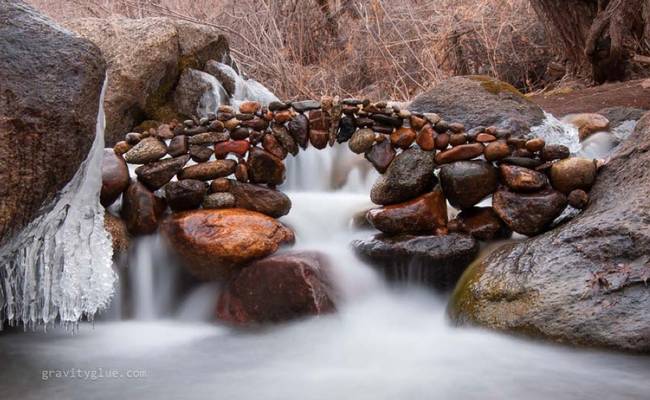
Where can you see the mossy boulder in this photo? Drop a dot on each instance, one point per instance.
(145, 58)
(585, 282)
(478, 100)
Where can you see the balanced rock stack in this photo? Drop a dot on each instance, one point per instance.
(218, 175)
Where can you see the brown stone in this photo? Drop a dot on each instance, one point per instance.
(417, 123)
(319, 120)
(115, 177)
(239, 147)
(283, 137)
(578, 199)
(231, 124)
(485, 138)
(178, 146)
(164, 132)
(298, 128)
(121, 147)
(535, 145)
(528, 213)
(209, 170)
(381, 155)
(141, 209)
(442, 141)
(421, 215)
(573, 173)
(552, 152)
(264, 167)
(456, 139)
(459, 153)
(249, 107)
(426, 138)
(209, 138)
(116, 229)
(282, 116)
(259, 198)
(483, 223)
(465, 183)
(402, 138)
(220, 185)
(522, 179)
(318, 139)
(240, 133)
(200, 153)
(186, 194)
(146, 151)
(271, 144)
(214, 244)
(496, 151)
(156, 174)
(278, 288)
(241, 172)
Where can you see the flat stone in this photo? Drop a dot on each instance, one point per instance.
(156, 174)
(423, 214)
(381, 155)
(264, 167)
(305, 105)
(146, 151)
(209, 170)
(178, 146)
(209, 138)
(200, 153)
(259, 198)
(219, 200)
(459, 153)
(186, 194)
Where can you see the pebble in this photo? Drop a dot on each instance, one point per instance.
(249, 107)
(496, 151)
(485, 138)
(273, 146)
(306, 105)
(231, 124)
(318, 139)
(278, 106)
(555, 152)
(146, 151)
(535, 145)
(200, 153)
(426, 138)
(442, 141)
(219, 200)
(209, 170)
(403, 138)
(522, 179)
(208, 138)
(133, 138)
(184, 195)
(578, 199)
(220, 185)
(121, 147)
(361, 141)
(456, 139)
(178, 146)
(347, 127)
(458, 153)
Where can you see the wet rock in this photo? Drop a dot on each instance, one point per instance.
(479, 100)
(436, 260)
(535, 145)
(258, 198)
(482, 223)
(241, 172)
(529, 213)
(381, 155)
(485, 138)
(584, 282)
(220, 185)
(146, 151)
(145, 57)
(618, 115)
(184, 195)
(318, 139)
(219, 200)
(214, 244)
(423, 214)
(552, 152)
(197, 93)
(426, 138)
(209, 138)
(587, 123)
(278, 288)
(522, 179)
(578, 199)
(465, 183)
(155, 175)
(361, 141)
(118, 233)
(457, 139)
(239, 147)
(141, 209)
(178, 146)
(115, 177)
(298, 128)
(403, 138)
(441, 141)
(264, 167)
(306, 105)
(164, 132)
(121, 148)
(573, 173)
(200, 153)
(409, 175)
(496, 151)
(209, 170)
(249, 107)
(224, 74)
(347, 127)
(460, 153)
(286, 141)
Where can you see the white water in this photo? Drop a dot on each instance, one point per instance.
(60, 265)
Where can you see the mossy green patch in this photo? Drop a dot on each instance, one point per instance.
(495, 86)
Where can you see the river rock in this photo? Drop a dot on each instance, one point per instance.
(403, 138)
(116, 229)
(552, 152)
(381, 155)
(479, 100)
(214, 244)
(147, 150)
(219, 200)
(141, 209)
(529, 213)
(465, 183)
(286, 141)
(264, 167)
(156, 174)
(619, 114)
(423, 214)
(522, 179)
(209, 170)
(298, 128)
(178, 146)
(278, 288)
(115, 177)
(587, 123)
(483, 223)
(259, 198)
(200, 154)
(584, 282)
(318, 139)
(435, 260)
(573, 173)
(145, 58)
(578, 199)
(496, 151)
(409, 175)
(239, 147)
(271, 144)
(186, 194)
(361, 141)
(458, 153)
(426, 138)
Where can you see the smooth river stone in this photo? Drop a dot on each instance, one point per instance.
(426, 138)
(361, 141)
(285, 139)
(381, 155)
(318, 139)
(146, 151)
(141, 209)
(528, 213)
(573, 173)
(271, 144)
(239, 147)
(403, 137)
(408, 176)
(298, 128)
(465, 183)
(522, 179)
(209, 138)
(156, 174)
(259, 198)
(496, 151)
(423, 214)
(483, 223)
(459, 153)
(264, 167)
(200, 153)
(115, 177)
(209, 170)
(186, 194)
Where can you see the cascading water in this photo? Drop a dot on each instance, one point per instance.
(382, 343)
(60, 265)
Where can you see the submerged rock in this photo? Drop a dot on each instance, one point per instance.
(435, 260)
(214, 244)
(408, 176)
(278, 288)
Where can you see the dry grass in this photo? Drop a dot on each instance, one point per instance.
(374, 48)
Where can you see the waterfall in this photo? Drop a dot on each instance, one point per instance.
(552, 130)
(60, 264)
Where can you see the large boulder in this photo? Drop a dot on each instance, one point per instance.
(409, 175)
(478, 100)
(50, 84)
(145, 58)
(584, 282)
(278, 288)
(215, 243)
(435, 260)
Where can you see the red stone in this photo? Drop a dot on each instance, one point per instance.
(239, 147)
